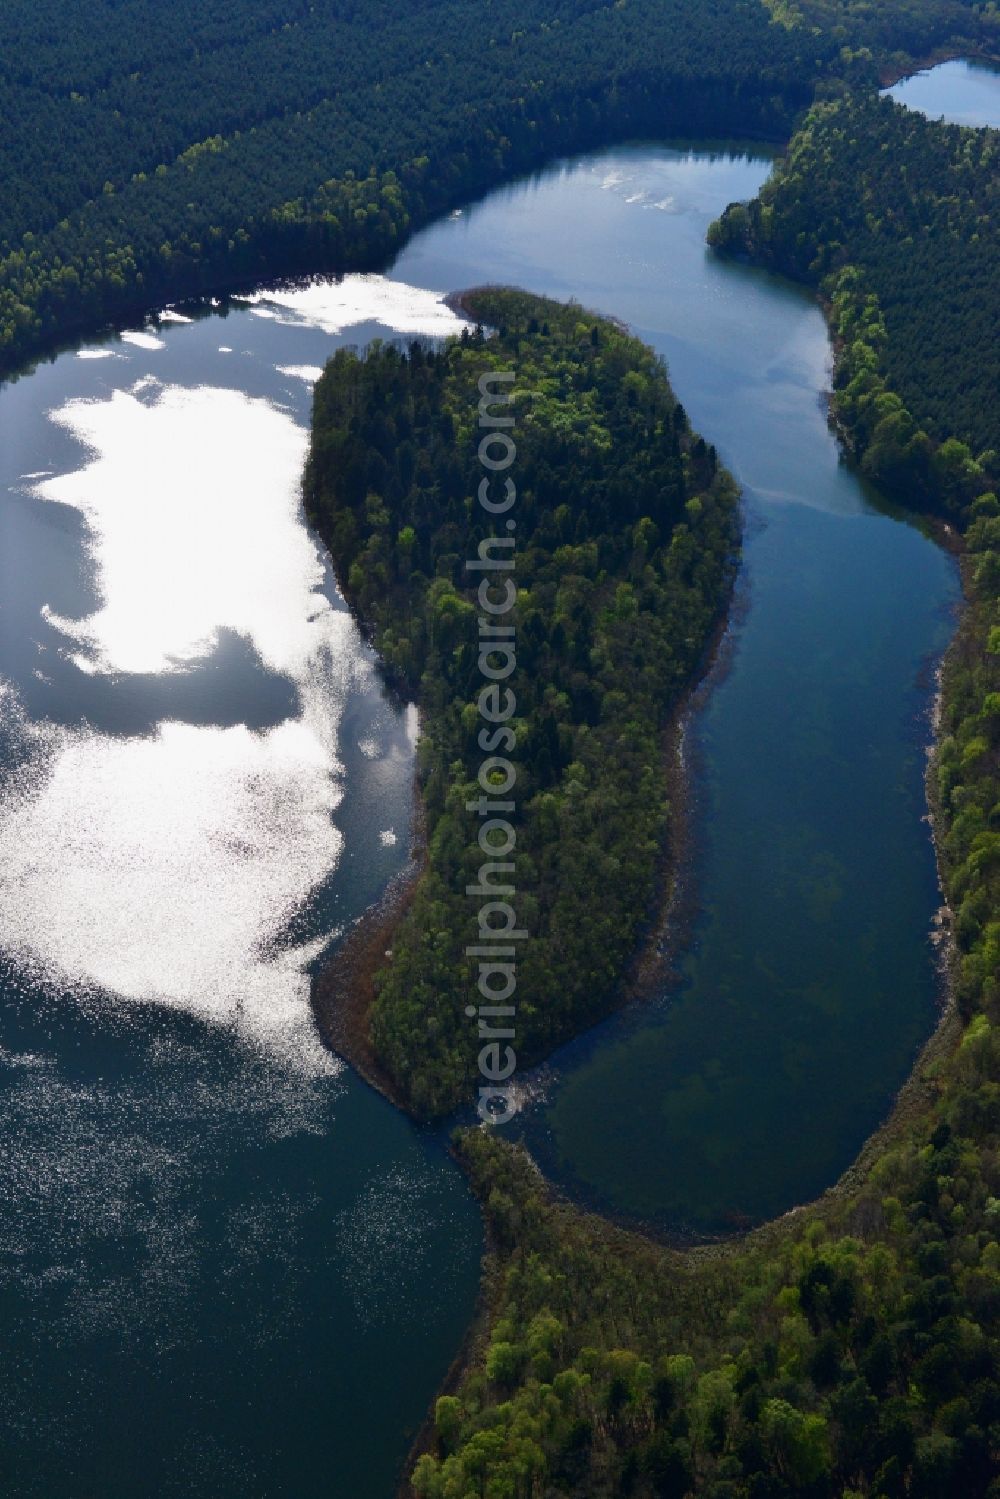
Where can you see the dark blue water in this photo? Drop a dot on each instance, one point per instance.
(226, 1267)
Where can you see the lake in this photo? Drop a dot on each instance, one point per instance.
(228, 1266)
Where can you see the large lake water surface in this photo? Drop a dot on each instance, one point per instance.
(227, 1267)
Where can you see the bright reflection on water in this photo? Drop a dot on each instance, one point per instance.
(225, 1266)
(191, 504)
(357, 299)
(167, 867)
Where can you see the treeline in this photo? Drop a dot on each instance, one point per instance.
(156, 150)
(894, 218)
(626, 529)
(159, 150)
(898, 33)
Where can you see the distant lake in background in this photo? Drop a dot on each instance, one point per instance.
(963, 92)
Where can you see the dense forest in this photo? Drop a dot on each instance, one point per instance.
(897, 33)
(626, 529)
(850, 1350)
(156, 149)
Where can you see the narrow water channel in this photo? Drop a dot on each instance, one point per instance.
(811, 983)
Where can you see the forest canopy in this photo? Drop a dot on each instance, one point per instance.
(155, 150)
(160, 148)
(626, 531)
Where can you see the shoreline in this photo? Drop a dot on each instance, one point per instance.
(672, 912)
(461, 302)
(474, 1340)
(890, 75)
(673, 908)
(343, 988)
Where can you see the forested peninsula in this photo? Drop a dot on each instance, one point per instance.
(626, 531)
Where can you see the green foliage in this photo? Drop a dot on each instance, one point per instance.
(893, 33)
(626, 529)
(851, 1349)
